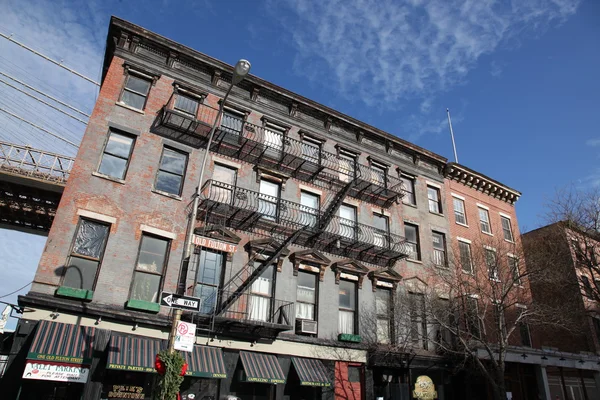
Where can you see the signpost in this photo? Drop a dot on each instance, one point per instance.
(173, 300)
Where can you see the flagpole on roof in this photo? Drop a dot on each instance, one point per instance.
(452, 136)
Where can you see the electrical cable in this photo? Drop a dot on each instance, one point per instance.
(16, 291)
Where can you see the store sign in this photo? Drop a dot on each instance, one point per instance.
(214, 244)
(185, 337)
(126, 392)
(56, 372)
(424, 389)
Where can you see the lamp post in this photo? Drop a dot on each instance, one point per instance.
(240, 71)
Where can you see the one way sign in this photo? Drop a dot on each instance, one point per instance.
(179, 301)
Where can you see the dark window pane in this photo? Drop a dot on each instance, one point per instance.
(380, 222)
(209, 269)
(173, 162)
(186, 104)
(145, 287)
(353, 374)
(382, 302)
(208, 294)
(411, 233)
(224, 174)
(465, 256)
(133, 100)
(113, 166)
(119, 145)
(153, 252)
(90, 239)
(438, 241)
(168, 183)
(81, 273)
(138, 84)
(347, 291)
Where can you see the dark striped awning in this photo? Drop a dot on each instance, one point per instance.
(58, 342)
(311, 372)
(261, 368)
(130, 353)
(205, 362)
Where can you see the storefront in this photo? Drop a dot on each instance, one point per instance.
(58, 362)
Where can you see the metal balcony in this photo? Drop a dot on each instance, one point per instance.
(275, 151)
(244, 209)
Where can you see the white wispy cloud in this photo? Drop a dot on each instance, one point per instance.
(384, 51)
(593, 142)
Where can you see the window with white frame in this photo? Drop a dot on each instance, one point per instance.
(466, 260)
(459, 211)
(309, 212)
(408, 185)
(439, 249)
(268, 200)
(136, 91)
(347, 307)
(306, 295)
(274, 140)
(348, 224)
(378, 174)
(311, 150)
(152, 259)
(513, 264)
(381, 233)
(484, 220)
(491, 262)
(232, 122)
(261, 294)
(186, 104)
(383, 308)
(506, 228)
(347, 166)
(224, 180)
(411, 232)
(434, 198)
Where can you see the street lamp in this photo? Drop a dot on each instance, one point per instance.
(240, 71)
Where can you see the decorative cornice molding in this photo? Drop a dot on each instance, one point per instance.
(480, 182)
(351, 267)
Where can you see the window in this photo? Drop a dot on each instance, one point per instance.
(418, 320)
(381, 235)
(135, 92)
(492, 264)
(439, 249)
(311, 150)
(587, 286)
(232, 122)
(306, 296)
(224, 181)
(348, 227)
(151, 262)
(171, 172)
(506, 228)
(525, 334)
(408, 185)
(433, 195)
(466, 261)
(472, 317)
(347, 311)
(86, 255)
(186, 104)
(383, 308)
(513, 264)
(261, 293)
(268, 200)
(354, 373)
(115, 157)
(412, 241)
(596, 322)
(273, 141)
(208, 279)
(459, 211)
(347, 166)
(484, 221)
(378, 174)
(309, 213)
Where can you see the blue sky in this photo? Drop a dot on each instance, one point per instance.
(520, 77)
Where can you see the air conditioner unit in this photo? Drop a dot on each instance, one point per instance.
(306, 326)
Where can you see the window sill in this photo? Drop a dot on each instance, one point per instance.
(137, 110)
(170, 195)
(446, 267)
(414, 261)
(436, 213)
(468, 272)
(509, 241)
(142, 305)
(348, 337)
(410, 205)
(495, 280)
(73, 293)
(487, 233)
(109, 178)
(465, 225)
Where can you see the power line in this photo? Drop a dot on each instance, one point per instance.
(42, 93)
(48, 59)
(40, 128)
(43, 102)
(16, 291)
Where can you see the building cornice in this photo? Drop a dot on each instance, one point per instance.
(481, 183)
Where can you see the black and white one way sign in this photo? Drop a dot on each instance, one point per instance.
(179, 301)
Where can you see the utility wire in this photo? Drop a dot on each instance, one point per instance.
(43, 102)
(44, 94)
(16, 291)
(48, 59)
(40, 128)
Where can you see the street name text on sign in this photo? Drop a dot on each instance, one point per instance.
(214, 244)
(179, 301)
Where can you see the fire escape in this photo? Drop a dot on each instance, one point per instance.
(283, 221)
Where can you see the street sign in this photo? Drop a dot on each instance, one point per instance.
(179, 301)
(185, 336)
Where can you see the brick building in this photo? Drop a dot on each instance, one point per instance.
(308, 219)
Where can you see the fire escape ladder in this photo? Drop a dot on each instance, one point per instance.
(242, 285)
(335, 205)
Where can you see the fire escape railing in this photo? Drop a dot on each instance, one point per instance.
(275, 150)
(40, 164)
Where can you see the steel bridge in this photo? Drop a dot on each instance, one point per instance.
(31, 185)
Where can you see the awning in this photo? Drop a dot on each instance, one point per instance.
(261, 368)
(311, 372)
(62, 343)
(129, 353)
(205, 362)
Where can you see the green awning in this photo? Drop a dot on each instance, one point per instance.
(262, 368)
(130, 353)
(311, 372)
(66, 343)
(205, 362)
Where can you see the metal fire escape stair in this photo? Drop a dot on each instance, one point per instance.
(237, 284)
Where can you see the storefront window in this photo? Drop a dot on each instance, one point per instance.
(119, 385)
(199, 389)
